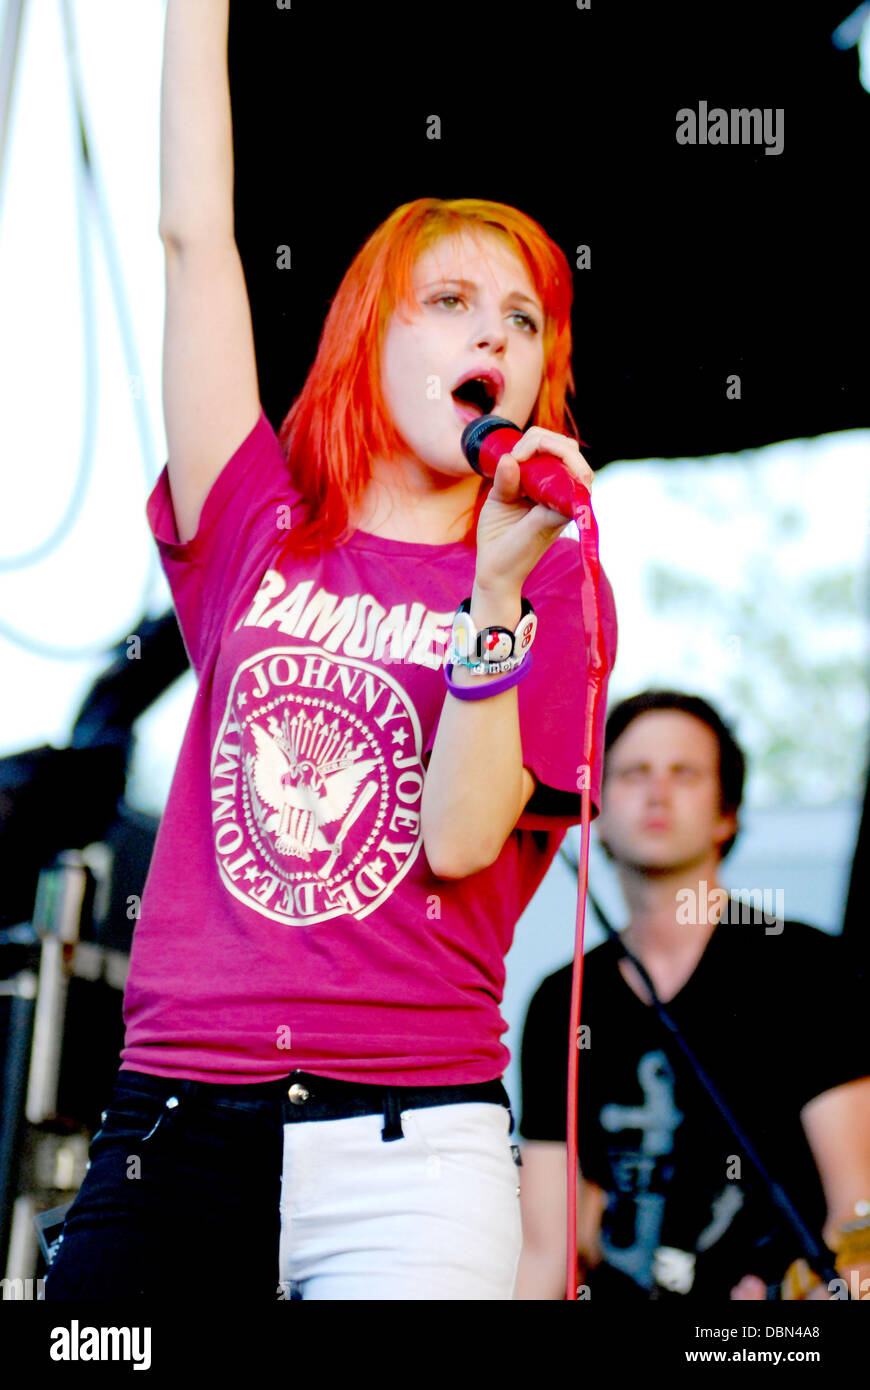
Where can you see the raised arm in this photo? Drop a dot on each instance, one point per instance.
(210, 390)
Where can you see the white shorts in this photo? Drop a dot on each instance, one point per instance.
(435, 1215)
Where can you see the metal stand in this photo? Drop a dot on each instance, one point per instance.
(43, 1154)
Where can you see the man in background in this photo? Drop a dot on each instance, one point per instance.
(669, 1205)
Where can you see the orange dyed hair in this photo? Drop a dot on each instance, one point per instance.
(340, 422)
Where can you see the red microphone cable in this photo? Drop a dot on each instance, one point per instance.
(550, 482)
(597, 667)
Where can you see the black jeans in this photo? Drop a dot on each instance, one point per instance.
(184, 1182)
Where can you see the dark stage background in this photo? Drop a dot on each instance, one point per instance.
(706, 260)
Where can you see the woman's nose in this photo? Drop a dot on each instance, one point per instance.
(490, 332)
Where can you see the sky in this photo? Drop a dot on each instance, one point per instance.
(709, 519)
(88, 593)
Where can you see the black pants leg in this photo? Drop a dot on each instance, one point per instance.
(181, 1200)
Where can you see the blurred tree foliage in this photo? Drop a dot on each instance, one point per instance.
(792, 650)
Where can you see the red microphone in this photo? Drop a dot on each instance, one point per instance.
(543, 478)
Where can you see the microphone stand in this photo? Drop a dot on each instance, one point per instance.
(818, 1256)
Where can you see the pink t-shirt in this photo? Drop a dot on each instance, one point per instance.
(290, 918)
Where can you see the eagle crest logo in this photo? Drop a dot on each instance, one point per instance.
(307, 773)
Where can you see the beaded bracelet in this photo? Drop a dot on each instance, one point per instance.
(489, 687)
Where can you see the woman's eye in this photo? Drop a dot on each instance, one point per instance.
(449, 300)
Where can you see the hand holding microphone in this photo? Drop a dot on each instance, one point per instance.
(540, 481)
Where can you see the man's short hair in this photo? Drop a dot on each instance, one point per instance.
(732, 763)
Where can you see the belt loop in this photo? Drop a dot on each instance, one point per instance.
(392, 1118)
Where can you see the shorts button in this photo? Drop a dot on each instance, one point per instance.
(297, 1094)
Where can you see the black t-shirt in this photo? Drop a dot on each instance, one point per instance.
(772, 1012)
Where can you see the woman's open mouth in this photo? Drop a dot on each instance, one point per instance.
(475, 397)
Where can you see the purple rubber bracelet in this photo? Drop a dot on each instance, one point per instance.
(489, 687)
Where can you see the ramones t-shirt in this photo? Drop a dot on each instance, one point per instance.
(772, 1014)
(290, 919)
